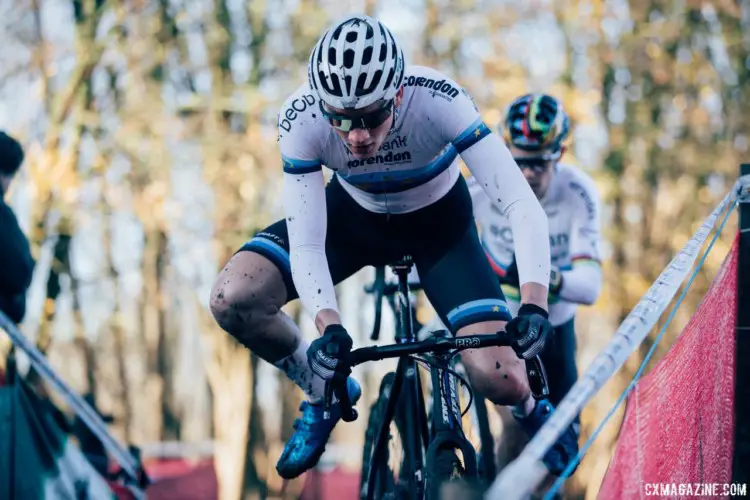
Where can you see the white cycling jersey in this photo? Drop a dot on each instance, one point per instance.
(573, 211)
(416, 166)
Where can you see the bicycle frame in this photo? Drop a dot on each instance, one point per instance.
(446, 413)
(422, 444)
(446, 430)
(408, 376)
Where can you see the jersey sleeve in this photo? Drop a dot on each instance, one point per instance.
(497, 174)
(582, 284)
(305, 203)
(585, 244)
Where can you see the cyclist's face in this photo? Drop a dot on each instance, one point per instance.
(364, 142)
(536, 168)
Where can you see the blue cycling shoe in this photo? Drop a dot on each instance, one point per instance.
(566, 447)
(307, 444)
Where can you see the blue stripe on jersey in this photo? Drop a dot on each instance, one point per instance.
(473, 134)
(275, 252)
(297, 167)
(477, 311)
(402, 180)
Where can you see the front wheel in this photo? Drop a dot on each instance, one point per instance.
(447, 479)
(442, 474)
(477, 429)
(487, 466)
(386, 479)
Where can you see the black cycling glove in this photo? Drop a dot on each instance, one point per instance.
(325, 352)
(531, 329)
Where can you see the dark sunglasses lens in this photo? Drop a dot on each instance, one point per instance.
(371, 120)
(538, 166)
(376, 118)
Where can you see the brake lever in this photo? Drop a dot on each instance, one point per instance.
(328, 400)
(348, 413)
(537, 378)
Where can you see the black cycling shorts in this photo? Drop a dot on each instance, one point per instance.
(441, 239)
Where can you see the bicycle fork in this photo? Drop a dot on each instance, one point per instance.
(447, 432)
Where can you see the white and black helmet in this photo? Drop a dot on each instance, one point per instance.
(355, 63)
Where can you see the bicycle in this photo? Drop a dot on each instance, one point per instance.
(486, 465)
(429, 445)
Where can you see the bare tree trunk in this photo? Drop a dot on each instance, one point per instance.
(116, 325)
(256, 457)
(87, 349)
(60, 255)
(231, 381)
(151, 329)
(55, 172)
(41, 57)
(231, 372)
(164, 352)
(148, 177)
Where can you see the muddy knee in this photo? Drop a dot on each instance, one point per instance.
(501, 379)
(509, 390)
(247, 296)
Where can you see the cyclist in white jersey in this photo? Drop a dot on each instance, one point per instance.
(392, 135)
(534, 129)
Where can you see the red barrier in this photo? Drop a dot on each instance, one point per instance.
(185, 480)
(679, 421)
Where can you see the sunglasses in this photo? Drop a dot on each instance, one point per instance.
(540, 164)
(370, 120)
